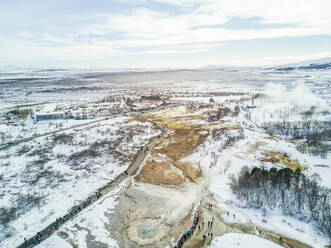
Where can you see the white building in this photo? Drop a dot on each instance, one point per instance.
(49, 116)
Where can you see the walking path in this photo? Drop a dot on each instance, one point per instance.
(211, 225)
(132, 169)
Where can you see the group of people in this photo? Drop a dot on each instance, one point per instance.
(37, 238)
(210, 235)
(210, 206)
(98, 194)
(210, 224)
(189, 233)
(234, 216)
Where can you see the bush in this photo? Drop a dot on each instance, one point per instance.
(21, 113)
(151, 97)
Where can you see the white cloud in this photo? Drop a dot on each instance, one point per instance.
(57, 40)
(144, 27)
(152, 24)
(31, 51)
(301, 12)
(190, 26)
(24, 34)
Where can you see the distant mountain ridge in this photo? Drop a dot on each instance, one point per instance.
(320, 64)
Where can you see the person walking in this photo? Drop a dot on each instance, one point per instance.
(38, 237)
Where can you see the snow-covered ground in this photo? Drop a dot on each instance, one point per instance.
(90, 226)
(221, 165)
(238, 240)
(43, 178)
(228, 164)
(12, 133)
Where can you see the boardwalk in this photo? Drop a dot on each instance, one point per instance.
(132, 169)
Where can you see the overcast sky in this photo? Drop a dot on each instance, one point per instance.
(162, 33)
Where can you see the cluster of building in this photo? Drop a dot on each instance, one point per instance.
(89, 111)
(145, 105)
(81, 112)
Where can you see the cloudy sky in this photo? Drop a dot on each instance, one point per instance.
(162, 33)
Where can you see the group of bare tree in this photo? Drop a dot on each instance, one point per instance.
(315, 134)
(293, 192)
(224, 112)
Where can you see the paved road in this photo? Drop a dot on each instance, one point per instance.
(24, 105)
(16, 142)
(131, 171)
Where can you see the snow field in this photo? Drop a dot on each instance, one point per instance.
(238, 240)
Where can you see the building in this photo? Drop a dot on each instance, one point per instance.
(81, 115)
(145, 105)
(49, 116)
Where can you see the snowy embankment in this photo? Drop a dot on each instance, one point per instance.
(90, 226)
(43, 178)
(231, 162)
(238, 240)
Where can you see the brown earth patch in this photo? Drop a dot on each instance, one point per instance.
(184, 135)
(160, 173)
(189, 171)
(181, 141)
(233, 127)
(282, 159)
